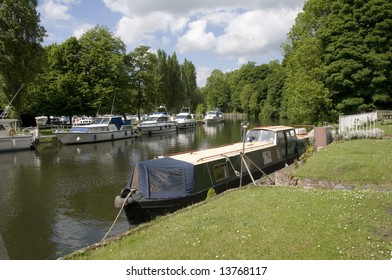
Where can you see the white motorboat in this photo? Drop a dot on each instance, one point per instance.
(185, 119)
(213, 116)
(157, 123)
(41, 120)
(13, 140)
(103, 128)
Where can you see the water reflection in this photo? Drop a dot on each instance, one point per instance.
(60, 199)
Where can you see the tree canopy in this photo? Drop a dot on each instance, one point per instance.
(338, 59)
(20, 46)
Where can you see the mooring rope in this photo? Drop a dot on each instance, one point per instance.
(118, 215)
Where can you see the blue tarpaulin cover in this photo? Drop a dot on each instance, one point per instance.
(165, 178)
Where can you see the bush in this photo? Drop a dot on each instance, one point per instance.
(211, 192)
(363, 134)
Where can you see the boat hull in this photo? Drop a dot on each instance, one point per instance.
(184, 125)
(69, 138)
(213, 120)
(159, 128)
(16, 143)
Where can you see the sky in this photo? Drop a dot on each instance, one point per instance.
(213, 34)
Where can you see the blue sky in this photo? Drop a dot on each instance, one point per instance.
(213, 34)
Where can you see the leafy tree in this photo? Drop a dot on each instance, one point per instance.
(270, 107)
(245, 97)
(175, 87)
(20, 46)
(103, 71)
(338, 59)
(144, 78)
(358, 54)
(217, 91)
(188, 78)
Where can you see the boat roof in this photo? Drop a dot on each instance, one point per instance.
(273, 128)
(212, 154)
(8, 120)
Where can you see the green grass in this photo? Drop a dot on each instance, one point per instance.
(365, 161)
(265, 223)
(387, 127)
(278, 223)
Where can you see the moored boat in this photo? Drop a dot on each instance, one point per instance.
(213, 116)
(157, 123)
(185, 119)
(13, 140)
(102, 128)
(166, 184)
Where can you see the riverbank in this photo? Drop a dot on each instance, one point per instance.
(270, 222)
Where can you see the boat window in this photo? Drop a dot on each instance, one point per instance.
(221, 172)
(253, 135)
(78, 129)
(2, 127)
(267, 136)
(166, 181)
(281, 137)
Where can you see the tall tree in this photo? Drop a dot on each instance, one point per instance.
(188, 77)
(20, 46)
(103, 71)
(144, 78)
(338, 58)
(217, 91)
(270, 107)
(176, 91)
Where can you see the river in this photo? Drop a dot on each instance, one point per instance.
(56, 200)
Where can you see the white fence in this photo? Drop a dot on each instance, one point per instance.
(359, 122)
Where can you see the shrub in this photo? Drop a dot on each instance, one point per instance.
(211, 192)
(363, 134)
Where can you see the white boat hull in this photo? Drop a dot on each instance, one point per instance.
(157, 128)
(82, 138)
(213, 120)
(18, 142)
(186, 124)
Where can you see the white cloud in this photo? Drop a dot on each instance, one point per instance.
(196, 38)
(202, 74)
(81, 29)
(188, 7)
(241, 30)
(254, 33)
(56, 11)
(138, 29)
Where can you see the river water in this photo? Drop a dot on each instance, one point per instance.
(59, 199)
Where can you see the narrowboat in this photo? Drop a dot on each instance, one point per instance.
(166, 184)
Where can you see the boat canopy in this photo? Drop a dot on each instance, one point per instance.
(165, 178)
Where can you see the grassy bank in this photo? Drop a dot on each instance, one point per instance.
(278, 222)
(366, 161)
